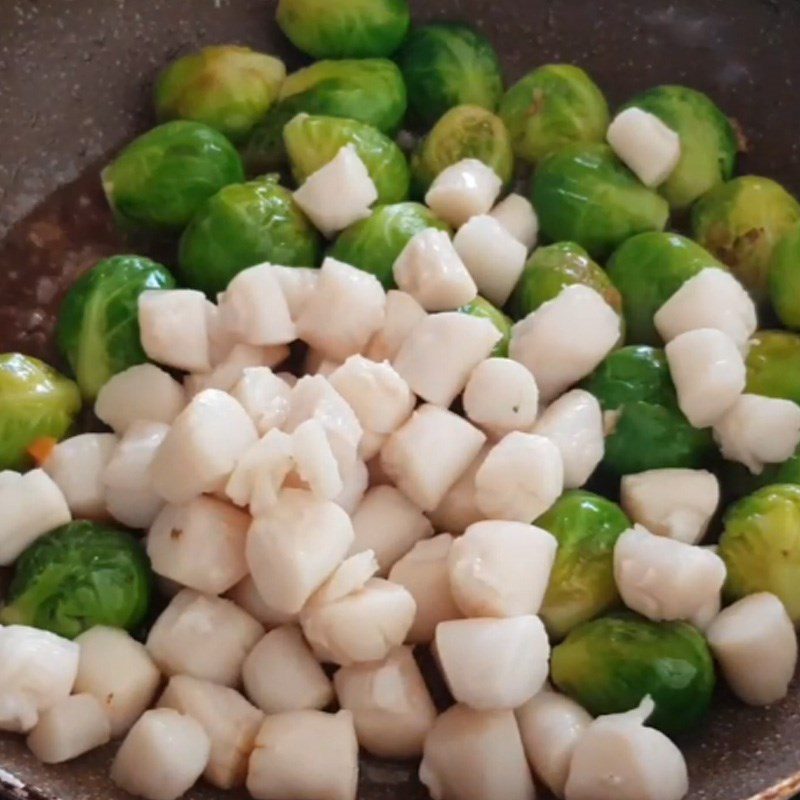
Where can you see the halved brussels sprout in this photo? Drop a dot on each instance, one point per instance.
(228, 87)
(784, 278)
(36, 402)
(555, 105)
(481, 307)
(708, 141)
(583, 193)
(344, 28)
(313, 141)
(98, 323)
(448, 64)
(160, 179)
(773, 365)
(243, 225)
(582, 585)
(609, 664)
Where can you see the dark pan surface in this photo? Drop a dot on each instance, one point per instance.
(75, 78)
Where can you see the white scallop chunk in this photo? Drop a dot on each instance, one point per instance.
(426, 456)
(118, 671)
(203, 636)
(173, 325)
(676, 503)
(618, 758)
(565, 339)
(440, 353)
(350, 576)
(339, 193)
(391, 706)
(220, 340)
(501, 569)
(355, 481)
(648, 147)
(296, 284)
(707, 613)
(228, 372)
(402, 313)
(202, 447)
(143, 392)
(230, 722)
(708, 371)
(162, 756)
(246, 596)
(462, 191)
(279, 766)
(521, 477)
(492, 255)
(315, 461)
(475, 755)
(664, 579)
(517, 216)
(493, 664)
(431, 271)
(574, 424)
(345, 310)
(259, 473)
(551, 725)
(264, 396)
(758, 430)
(711, 299)
(458, 509)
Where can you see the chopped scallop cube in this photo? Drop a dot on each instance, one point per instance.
(462, 191)
(517, 216)
(260, 472)
(246, 596)
(228, 372)
(648, 147)
(403, 312)
(315, 461)
(297, 285)
(355, 480)
(371, 444)
(458, 509)
(264, 396)
(350, 576)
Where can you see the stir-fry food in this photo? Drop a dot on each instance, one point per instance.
(434, 367)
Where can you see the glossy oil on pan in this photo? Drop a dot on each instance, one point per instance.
(75, 79)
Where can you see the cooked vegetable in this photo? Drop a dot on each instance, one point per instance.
(480, 307)
(784, 278)
(738, 481)
(773, 365)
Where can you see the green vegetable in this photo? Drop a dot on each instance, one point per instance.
(228, 87)
(648, 269)
(264, 150)
(738, 481)
(448, 64)
(80, 575)
(583, 193)
(373, 244)
(555, 105)
(344, 28)
(311, 142)
(480, 307)
(784, 278)
(36, 402)
(243, 225)
(98, 323)
(160, 179)
(761, 546)
(608, 666)
(708, 141)
(773, 365)
(463, 132)
(582, 585)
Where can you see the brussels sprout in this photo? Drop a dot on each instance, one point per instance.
(345, 28)
(760, 546)
(311, 142)
(36, 402)
(463, 132)
(243, 225)
(555, 105)
(609, 664)
(773, 365)
(583, 193)
(708, 141)
(228, 87)
(480, 307)
(160, 179)
(375, 243)
(784, 278)
(447, 64)
(264, 150)
(98, 323)
(647, 270)
(582, 585)
(80, 575)
(738, 481)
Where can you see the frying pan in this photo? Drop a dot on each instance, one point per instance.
(75, 79)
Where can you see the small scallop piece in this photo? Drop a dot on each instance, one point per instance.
(565, 339)
(350, 576)
(297, 285)
(432, 272)
(618, 758)
(162, 756)
(709, 374)
(676, 503)
(462, 191)
(264, 396)
(664, 579)
(315, 461)
(517, 216)
(574, 424)
(521, 477)
(259, 473)
(758, 430)
(458, 509)
(475, 755)
(501, 569)
(493, 664)
(402, 313)
(228, 372)
(755, 643)
(355, 482)
(246, 596)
